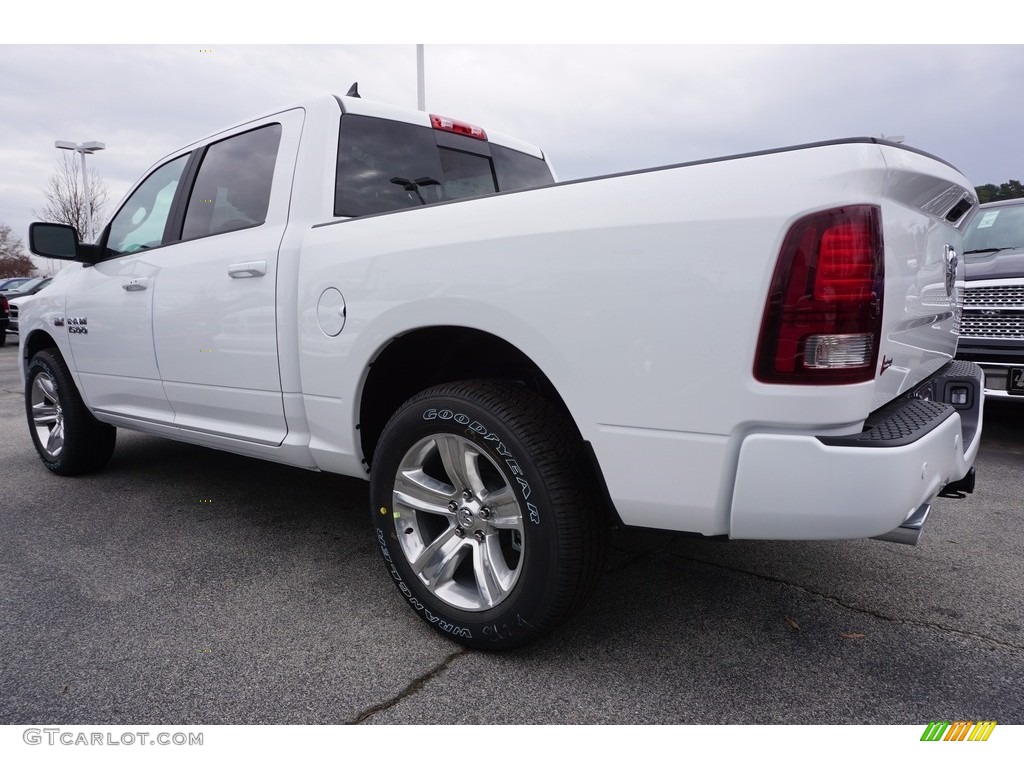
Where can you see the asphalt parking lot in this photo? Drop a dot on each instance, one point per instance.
(182, 585)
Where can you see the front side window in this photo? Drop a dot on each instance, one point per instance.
(141, 221)
(232, 188)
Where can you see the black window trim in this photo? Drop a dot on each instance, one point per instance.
(176, 221)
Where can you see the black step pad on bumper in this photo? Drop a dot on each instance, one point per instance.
(909, 418)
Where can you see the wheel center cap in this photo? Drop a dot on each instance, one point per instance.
(465, 516)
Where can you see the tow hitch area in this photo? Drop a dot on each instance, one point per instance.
(910, 531)
(958, 489)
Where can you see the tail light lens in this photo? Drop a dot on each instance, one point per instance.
(822, 323)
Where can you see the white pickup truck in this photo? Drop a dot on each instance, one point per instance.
(753, 347)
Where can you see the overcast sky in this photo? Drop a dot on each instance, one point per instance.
(593, 109)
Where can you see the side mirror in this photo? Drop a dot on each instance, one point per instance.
(59, 241)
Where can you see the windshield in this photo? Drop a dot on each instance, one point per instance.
(995, 229)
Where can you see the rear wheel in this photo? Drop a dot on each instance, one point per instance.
(485, 512)
(69, 440)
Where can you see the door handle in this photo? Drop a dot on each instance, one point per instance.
(136, 284)
(247, 269)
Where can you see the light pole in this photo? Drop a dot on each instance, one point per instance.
(86, 148)
(421, 99)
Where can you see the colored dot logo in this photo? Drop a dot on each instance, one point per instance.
(206, 50)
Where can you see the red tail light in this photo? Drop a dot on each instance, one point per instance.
(823, 320)
(457, 126)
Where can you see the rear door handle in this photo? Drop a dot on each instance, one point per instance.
(247, 269)
(136, 284)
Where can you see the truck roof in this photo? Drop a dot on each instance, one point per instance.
(359, 106)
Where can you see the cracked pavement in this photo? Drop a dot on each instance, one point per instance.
(182, 585)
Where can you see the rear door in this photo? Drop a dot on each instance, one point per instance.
(214, 306)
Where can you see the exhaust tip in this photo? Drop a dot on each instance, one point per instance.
(910, 531)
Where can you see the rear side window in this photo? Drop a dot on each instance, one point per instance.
(232, 188)
(385, 165)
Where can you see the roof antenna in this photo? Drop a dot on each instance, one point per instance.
(354, 91)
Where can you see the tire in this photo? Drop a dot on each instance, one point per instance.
(485, 512)
(69, 440)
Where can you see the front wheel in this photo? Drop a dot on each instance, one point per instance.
(485, 512)
(68, 439)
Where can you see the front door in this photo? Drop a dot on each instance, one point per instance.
(109, 314)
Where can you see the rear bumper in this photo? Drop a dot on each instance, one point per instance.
(864, 485)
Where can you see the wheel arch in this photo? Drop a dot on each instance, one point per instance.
(37, 341)
(428, 356)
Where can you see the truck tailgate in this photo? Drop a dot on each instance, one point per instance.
(925, 206)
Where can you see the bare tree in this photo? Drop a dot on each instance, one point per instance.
(65, 203)
(14, 262)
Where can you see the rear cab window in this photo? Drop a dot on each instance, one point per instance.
(387, 165)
